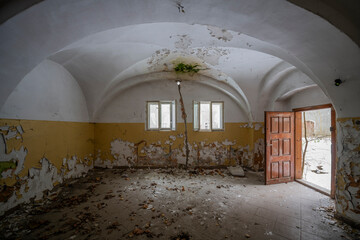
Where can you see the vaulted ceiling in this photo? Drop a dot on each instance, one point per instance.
(256, 52)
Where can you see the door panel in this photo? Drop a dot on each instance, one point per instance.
(279, 147)
(286, 146)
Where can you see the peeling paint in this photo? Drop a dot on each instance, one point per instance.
(7, 173)
(2, 145)
(15, 156)
(4, 128)
(211, 55)
(123, 152)
(220, 34)
(11, 134)
(41, 179)
(348, 169)
(183, 42)
(234, 146)
(42, 163)
(157, 57)
(257, 126)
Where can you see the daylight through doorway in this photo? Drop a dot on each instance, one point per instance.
(316, 147)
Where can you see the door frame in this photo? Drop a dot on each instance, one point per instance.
(298, 144)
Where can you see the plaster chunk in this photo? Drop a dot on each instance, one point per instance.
(237, 171)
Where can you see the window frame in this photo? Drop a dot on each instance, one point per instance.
(173, 115)
(197, 121)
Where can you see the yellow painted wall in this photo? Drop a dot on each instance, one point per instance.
(52, 140)
(51, 146)
(238, 134)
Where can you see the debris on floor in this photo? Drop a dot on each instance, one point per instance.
(174, 204)
(237, 171)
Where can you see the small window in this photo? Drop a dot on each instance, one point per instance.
(161, 115)
(208, 116)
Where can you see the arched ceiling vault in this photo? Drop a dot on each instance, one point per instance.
(243, 40)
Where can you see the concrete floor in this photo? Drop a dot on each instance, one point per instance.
(175, 204)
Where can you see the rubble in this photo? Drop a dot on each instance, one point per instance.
(237, 171)
(156, 203)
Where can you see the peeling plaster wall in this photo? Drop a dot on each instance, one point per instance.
(348, 169)
(45, 153)
(128, 144)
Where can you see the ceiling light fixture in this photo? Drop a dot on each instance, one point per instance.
(338, 82)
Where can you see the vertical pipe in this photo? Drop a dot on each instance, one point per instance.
(183, 115)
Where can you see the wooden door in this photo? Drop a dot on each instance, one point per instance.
(279, 147)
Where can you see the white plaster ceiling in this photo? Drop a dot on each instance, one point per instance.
(264, 51)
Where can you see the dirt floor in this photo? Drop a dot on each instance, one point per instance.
(176, 204)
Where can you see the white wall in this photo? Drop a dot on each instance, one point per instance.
(48, 92)
(129, 105)
(308, 97)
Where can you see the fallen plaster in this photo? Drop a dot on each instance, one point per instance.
(41, 179)
(164, 203)
(348, 170)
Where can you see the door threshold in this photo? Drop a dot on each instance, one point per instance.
(314, 187)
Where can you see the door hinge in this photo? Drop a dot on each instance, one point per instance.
(332, 129)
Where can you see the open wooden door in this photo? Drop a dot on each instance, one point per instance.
(279, 147)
